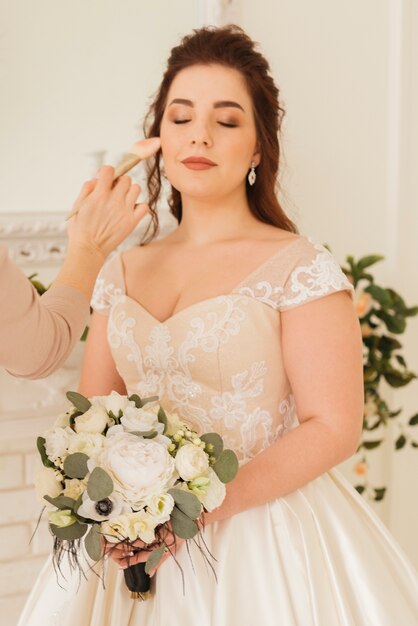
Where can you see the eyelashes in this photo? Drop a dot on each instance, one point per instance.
(227, 125)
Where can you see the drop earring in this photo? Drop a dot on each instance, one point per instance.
(252, 175)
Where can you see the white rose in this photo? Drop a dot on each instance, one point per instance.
(140, 420)
(47, 483)
(138, 467)
(173, 423)
(62, 420)
(117, 529)
(142, 526)
(114, 402)
(214, 493)
(159, 507)
(92, 421)
(74, 488)
(191, 461)
(87, 443)
(57, 441)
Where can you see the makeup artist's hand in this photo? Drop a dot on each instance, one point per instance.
(107, 213)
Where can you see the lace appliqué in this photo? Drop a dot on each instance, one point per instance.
(230, 408)
(264, 291)
(322, 276)
(105, 295)
(287, 410)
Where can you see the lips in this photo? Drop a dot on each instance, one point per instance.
(200, 160)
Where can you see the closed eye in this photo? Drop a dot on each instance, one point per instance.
(221, 123)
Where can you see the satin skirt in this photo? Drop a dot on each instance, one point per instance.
(319, 556)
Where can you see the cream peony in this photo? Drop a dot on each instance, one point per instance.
(138, 467)
(47, 483)
(88, 443)
(117, 529)
(92, 421)
(57, 441)
(214, 493)
(191, 461)
(140, 420)
(159, 507)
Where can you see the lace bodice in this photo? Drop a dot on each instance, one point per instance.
(218, 363)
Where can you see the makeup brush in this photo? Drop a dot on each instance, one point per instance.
(140, 150)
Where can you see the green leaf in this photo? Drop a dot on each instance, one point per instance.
(61, 502)
(162, 418)
(75, 465)
(401, 360)
(93, 544)
(394, 323)
(187, 502)
(154, 558)
(414, 444)
(146, 434)
(379, 494)
(85, 333)
(398, 379)
(360, 488)
(40, 443)
(99, 485)
(400, 442)
(182, 525)
(217, 442)
(413, 421)
(370, 445)
(382, 296)
(226, 466)
(371, 259)
(80, 402)
(135, 398)
(69, 533)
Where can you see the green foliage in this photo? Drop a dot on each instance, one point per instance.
(75, 465)
(92, 543)
(100, 485)
(226, 466)
(383, 313)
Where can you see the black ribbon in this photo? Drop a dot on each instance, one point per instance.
(136, 578)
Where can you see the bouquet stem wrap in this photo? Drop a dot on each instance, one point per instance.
(138, 581)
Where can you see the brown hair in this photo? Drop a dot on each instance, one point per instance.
(232, 47)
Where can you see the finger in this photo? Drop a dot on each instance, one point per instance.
(121, 187)
(104, 179)
(140, 211)
(132, 196)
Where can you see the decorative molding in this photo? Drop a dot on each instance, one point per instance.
(41, 238)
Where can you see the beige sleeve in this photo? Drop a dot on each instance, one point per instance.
(36, 333)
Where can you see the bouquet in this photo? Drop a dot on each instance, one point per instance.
(119, 469)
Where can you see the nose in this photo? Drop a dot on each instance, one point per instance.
(200, 134)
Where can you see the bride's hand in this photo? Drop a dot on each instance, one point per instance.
(107, 213)
(121, 553)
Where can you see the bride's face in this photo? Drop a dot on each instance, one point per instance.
(208, 114)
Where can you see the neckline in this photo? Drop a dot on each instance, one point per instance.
(233, 291)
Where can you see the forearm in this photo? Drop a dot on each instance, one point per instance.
(288, 464)
(80, 269)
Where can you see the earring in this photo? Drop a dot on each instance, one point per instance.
(252, 175)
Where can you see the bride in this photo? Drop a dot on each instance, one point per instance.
(244, 327)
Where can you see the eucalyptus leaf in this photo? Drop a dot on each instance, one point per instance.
(162, 418)
(148, 400)
(146, 434)
(187, 502)
(135, 398)
(182, 525)
(40, 443)
(154, 558)
(400, 442)
(217, 442)
(75, 465)
(69, 533)
(99, 485)
(61, 502)
(93, 544)
(80, 402)
(226, 467)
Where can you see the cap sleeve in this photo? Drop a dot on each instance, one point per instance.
(313, 273)
(110, 285)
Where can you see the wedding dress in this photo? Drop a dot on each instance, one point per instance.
(319, 556)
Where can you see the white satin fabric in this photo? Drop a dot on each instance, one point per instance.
(317, 557)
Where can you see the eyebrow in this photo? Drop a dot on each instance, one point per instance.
(221, 104)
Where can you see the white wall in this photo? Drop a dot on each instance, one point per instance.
(349, 82)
